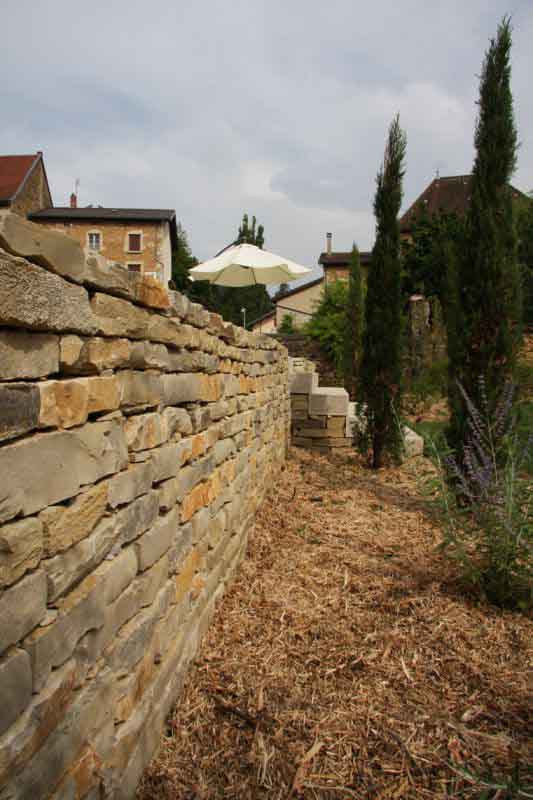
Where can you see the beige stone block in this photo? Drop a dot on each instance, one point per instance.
(117, 317)
(50, 249)
(84, 355)
(104, 394)
(66, 569)
(328, 401)
(196, 499)
(64, 526)
(139, 388)
(31, 297)
(146, 355)
(184, 579)
(152, 545)
(22, 607)
(27, 355)
(146, 431)
(21, 549)
(64, 404)
(168, 459)
(126, 486)
(138, 517)
(15, 686)
(79, 612)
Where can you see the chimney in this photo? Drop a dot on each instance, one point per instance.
(73, 200)
(328, 243)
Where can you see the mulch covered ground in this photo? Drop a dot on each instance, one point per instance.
(345, 662)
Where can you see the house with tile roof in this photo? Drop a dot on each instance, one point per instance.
(448, 194)
(23, 184)
(141, 239)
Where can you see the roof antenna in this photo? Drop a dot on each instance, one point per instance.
(437, 174)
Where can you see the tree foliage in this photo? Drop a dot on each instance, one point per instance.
(328, 323)
(484, 316)
(424, 256)
(381, 369)
(353, 324)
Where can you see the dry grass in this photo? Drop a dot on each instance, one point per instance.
(344, 662)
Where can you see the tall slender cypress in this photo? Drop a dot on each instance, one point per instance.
(381, 368)
(354, 324)
(484, 326)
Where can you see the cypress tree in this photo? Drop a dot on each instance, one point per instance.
(353, 334)
(484, 317)
(381, 369)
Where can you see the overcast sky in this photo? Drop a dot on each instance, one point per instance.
(278, 108)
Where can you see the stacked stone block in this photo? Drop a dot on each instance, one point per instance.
(319, 415)
(138, 435)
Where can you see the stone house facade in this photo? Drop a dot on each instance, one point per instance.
(141, 240)
(24, 184)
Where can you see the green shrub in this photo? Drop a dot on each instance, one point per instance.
(486, 502)
(287, 324)
(328, 323)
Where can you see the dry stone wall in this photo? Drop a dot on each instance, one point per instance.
(138, 434)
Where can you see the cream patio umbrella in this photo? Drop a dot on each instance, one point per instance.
(247, 265)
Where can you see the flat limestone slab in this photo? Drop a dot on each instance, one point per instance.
(329, 401)
(304, 383)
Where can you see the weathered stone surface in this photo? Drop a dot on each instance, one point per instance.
(51, 249)
(145, 431)
(21, 549)
(328, 401)
(186, 573)
(80, 611)
(51, 467)
(19, 409)
(178, 421)
(191, 387)
(116, 317)
(152, 579)
(104, 394)
(223, 450)
(155, 543)
(27, 355)
(22, 607)
(87, 716)
(68, 568)
(126, 486)
(303, 382)
(195, 361)
(64, 526)
(63, 404)
(136, 518)
(32, 297)
(146, 355)
(167, 460)
(27, 735)
(139, 388)
(196, 499)
(115, 279)
(78, 355)
(15, 686)
(118, 573)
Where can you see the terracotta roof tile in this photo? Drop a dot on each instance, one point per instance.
(13, 171)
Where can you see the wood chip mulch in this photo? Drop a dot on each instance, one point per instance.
(345, 662)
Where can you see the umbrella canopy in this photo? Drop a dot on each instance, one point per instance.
(246, 265)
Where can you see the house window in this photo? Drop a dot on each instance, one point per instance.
(134, 267)
(134, 242)
(94, 240)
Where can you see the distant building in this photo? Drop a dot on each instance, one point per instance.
(336, 265)
(23, 184)
(299, 303)
(448, 194)
(264, 324)
(142, 239)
